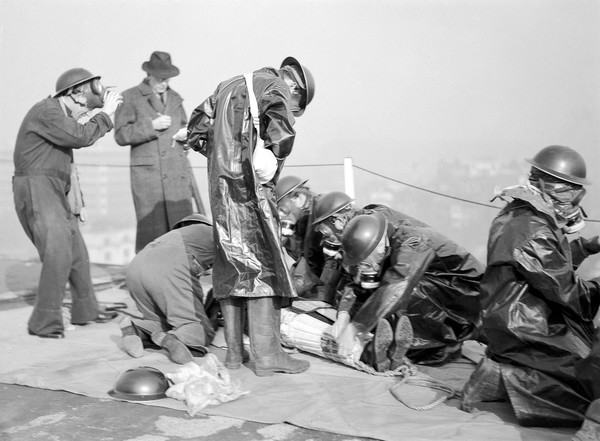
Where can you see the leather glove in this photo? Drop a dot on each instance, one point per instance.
(591, 245)
(347, 340)
(343, 319)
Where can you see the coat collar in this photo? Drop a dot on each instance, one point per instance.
(145, 88)
(530, 195)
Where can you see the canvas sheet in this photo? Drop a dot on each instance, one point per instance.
(329, 396)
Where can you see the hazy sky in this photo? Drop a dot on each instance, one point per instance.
(395, 78)
(399, 82)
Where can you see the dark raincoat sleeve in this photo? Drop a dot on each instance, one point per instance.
(582, 248)
(550, 275)
(201, 122)
(277, 121)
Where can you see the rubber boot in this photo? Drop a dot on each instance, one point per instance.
(264, 319)
(403, 337)
(232, 310)
(484, 385)
(381, 344)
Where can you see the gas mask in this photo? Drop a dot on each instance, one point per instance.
(331, 243)
(565, 198)
(90, 95)
(288, 224)
(338, 221)
(291, 208)
(368, 272)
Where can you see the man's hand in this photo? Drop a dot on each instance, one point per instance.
(162, 122)
(343, 318)
(346, 341)
(181, 135)
(111, 102)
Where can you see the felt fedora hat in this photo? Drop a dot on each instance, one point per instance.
(160, 65)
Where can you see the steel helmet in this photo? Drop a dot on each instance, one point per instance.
(286, 185)
(195, 218)
(307, 81)
(561, 162)
(361, 236)
(71, 78)
(143, 383)
(329, 204)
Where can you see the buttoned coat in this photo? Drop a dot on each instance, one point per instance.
(160, 175)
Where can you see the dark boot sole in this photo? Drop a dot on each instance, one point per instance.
(381, 344)
(271, 371)
(403, 337)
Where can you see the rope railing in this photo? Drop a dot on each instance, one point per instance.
(379, 175)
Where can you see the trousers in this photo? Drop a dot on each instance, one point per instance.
(43, 211)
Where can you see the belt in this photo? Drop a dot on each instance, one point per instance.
(44, 172)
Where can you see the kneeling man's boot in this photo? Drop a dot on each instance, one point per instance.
(264, 319)
(232, 310)
(178, 352)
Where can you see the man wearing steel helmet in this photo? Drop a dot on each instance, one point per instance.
(332, 212)
(401, 270)
(543, 348)
(164, 281)
(311, 276)
(43, 159)
(294, 204)
(245, 129)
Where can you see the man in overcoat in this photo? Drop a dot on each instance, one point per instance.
(243, 167)
(153, 122)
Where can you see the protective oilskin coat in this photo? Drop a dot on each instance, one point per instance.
(160, 176)
(249, 259)
(429, 278)
(538, 312)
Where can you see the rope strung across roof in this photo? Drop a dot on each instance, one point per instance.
(416, 187)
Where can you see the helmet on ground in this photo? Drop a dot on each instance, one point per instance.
(329, 204)
(72, 78)
(307, 82)
(286, 185)
(195, 218)
(143, 383)
(561, 162)
(361, 236)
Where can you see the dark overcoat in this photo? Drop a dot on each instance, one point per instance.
(160, 174)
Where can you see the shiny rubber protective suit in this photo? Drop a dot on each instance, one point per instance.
(249, 260)
(538, 313)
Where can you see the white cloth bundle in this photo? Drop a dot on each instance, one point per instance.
(203, 385)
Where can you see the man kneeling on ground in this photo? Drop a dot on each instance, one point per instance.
(163, 280)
